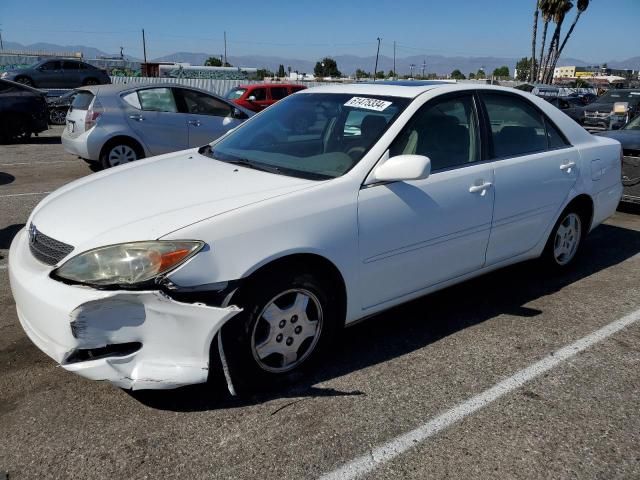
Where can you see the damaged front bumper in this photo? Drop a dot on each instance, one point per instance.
(133, 339)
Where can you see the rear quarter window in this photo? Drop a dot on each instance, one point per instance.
(82, 100)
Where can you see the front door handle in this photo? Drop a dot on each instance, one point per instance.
(137, 118)
(480, 188)
(195, 123)
(567, 166)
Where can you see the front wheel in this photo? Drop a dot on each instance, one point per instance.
(25, 81)
(565, 239)
(286, 322)
(58, 116)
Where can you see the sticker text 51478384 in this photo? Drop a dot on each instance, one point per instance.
(368, 103)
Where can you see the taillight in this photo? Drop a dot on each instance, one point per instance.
(93, 113)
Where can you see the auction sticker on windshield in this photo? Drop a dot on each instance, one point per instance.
(368, 103)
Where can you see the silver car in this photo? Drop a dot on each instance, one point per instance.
(116, 124)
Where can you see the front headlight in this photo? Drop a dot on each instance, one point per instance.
(128, 263)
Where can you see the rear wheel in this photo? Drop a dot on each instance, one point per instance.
(120, 152)
(287, 320)
(565, 239)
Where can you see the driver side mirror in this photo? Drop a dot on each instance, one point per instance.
(239, 114)
(252, 98)
(401, 168)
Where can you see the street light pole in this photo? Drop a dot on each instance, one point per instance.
(375, 69)
(395, 74)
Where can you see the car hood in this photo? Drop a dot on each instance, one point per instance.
(599, 107)
(630, 139)
(148, 199)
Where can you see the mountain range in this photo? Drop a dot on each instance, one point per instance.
(347, 64)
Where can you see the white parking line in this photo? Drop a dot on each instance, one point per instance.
(23, 194)
(37, 163)
(388, 451)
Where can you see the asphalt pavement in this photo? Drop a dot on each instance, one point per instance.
(385, 377)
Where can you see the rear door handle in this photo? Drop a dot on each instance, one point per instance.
(480, 188)
(567, 166)
(195, 123)
(137, 118)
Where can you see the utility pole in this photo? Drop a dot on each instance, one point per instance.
(375, 69)
(424, 66)
(1, 44)
(225, 50)
(411, 67)
(395, 74)
(144, 46)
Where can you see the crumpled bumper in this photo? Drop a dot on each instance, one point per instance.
(173, 338)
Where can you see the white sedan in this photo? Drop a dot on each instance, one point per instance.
(334, 204)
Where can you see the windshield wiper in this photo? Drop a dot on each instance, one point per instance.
(208, 151)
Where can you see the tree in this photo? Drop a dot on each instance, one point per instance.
(457, 75)
(380, 74)
(327, 67)
(581, 6)
(480, 75)
(501, 72)
(471, 76)
(547, 8)
(391, 74)
(534, 34)
(523, 69)
(263, 73)
(558, 15)
(281, 72)
(362, 74)
(213, 62)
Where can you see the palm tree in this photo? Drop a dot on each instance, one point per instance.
(547, 7)
(532, 70)
(559, 13)
(581, 6)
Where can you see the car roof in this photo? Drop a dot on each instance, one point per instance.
(108, 89)
(404, 89)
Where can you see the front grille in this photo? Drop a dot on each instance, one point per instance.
(597, 114)
(46, 249)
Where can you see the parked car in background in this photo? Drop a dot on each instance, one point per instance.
(629, 137)
(612, 110)
(260, 96)
(58, 73)
(116, 124)
(58, 107)
(23, 111)
(581, 98)
(572, 110)
(262, 245)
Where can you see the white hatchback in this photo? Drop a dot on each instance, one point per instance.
(332, 205)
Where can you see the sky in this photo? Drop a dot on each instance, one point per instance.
(312, 29)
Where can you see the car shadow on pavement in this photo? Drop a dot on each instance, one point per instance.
(42, 140)
(6, 178)
(414, 325)
(7, 234)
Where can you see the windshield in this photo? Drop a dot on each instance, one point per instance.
(613, 96)
(236, 93)
(318, 135)
(633, 124)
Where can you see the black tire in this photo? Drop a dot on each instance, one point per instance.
(106, 156)
(567, 235)
(241, 335)
(25, 81)
(90, 81)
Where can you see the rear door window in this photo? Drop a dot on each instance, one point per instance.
(517, 128)
(70, 66)
(82, 100)
(202, 104)
(157, 100)
(278, 93)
